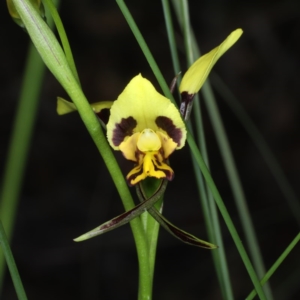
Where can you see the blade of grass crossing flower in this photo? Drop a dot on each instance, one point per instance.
(175, 60)
(222, 266)
(20, 142)
(210, 214)
(238, 192)
(195, 152)
(4, 245)
(231, 170)
(63, 37)
(275, 266)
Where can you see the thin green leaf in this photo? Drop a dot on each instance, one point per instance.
(211, 213)
(4, 244)
(20, 142)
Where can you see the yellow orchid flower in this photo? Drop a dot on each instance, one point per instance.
(198, 72)
(146, 127)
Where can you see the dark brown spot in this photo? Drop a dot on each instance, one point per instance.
(186, 104)
(168, 126)
(123, 129)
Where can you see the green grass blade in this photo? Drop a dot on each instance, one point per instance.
(231, 170)
(20, 143)
(4, 245)
(199, 178)
(261, 144)
(219, 256)
(227, 218)
(171, 37)
(275, 266)
(195, 152)
(236, 186)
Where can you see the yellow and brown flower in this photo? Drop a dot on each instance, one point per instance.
(147, 128)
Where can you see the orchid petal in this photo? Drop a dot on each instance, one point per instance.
(180, 234)
(64, 107)
(196, 75)
(125, 217)
(139, 107)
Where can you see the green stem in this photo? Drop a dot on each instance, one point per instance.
(152, 234)
(4, 244)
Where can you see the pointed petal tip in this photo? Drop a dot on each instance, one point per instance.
(81, 238)
(87, 235)
(64, 107)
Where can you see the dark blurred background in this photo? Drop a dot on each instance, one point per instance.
(67, 190)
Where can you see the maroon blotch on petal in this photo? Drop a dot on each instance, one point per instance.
(123, 129)
(168, 126)
(186, 104)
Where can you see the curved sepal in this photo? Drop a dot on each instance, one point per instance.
(180, 234)
(123, 218)
(64, 107)
(196, 75)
